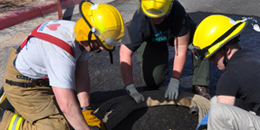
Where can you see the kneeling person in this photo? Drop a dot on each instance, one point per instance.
(39, 76)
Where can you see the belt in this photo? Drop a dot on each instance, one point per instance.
(34, 82)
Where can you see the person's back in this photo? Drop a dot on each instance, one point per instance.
(217, 39)
(241, 79)
(141, 27)
(41, 59)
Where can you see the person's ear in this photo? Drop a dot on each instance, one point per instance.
(83, 43)
(228, 50)
(80, 43)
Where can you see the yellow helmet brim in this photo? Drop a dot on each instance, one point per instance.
(212, 50)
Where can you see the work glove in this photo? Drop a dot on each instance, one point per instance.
(131, 90)
(93, 122)
(172, 91)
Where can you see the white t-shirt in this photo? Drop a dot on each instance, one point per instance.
(40, 59)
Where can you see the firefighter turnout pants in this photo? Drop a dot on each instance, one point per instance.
(35, 106)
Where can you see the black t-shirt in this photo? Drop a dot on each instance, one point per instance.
(241, 79)
(175, 25)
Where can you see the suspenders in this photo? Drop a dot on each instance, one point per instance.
(54, 40)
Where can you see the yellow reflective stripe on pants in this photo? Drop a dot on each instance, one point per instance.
(15, 122)
(2, 98)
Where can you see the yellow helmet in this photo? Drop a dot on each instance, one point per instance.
(156, 8)
(82, 30)
(213, 33)
(103, 21)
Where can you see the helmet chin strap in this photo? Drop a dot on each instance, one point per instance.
(225, 61)
(111, 57)
(99, 50)
(89, 39)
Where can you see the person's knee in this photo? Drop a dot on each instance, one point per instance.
(213, 101)
(217, 111)
(154, 81)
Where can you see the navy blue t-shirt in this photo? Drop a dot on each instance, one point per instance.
(175, 25)
(241, 78)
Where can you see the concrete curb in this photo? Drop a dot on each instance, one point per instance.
(19, 16)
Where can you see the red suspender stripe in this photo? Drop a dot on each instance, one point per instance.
(28, 37)
(46, 37)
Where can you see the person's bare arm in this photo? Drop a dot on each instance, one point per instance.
(181, 45)
(126, 64)
(226, 99)
(66, 98)
(82, 83)
(70, 108)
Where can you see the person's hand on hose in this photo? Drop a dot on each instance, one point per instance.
(93, 122)
(131, 90)
(172, 91)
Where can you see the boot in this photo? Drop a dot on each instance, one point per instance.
(4, 103)
(201, 90)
